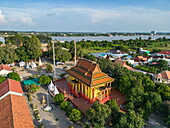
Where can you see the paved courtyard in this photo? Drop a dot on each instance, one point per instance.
(48, 118)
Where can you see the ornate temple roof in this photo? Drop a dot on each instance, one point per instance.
(89, 73)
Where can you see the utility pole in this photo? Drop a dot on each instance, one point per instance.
(54, 59)
(75, 52)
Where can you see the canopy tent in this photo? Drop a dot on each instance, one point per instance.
(31, 81)
(21, 64)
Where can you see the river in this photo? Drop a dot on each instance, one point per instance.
(100, 38)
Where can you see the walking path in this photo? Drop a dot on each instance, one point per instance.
(49, 118)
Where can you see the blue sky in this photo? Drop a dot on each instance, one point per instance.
(85, 15)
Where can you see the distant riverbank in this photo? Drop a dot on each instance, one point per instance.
(100, 38)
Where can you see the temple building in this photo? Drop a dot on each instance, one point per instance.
(88, 81)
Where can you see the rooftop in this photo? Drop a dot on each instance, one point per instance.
(89, 73)
(14, 112)
(5, 67)
(164, 75)
(10, 85)
(164, 52)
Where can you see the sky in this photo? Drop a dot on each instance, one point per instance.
(85, 15)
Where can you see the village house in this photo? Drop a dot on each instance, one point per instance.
(115, 51)
(13, 106)
(164, 53)
(163, 77)
(4, 70)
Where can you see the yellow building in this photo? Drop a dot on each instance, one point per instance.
(88, 81)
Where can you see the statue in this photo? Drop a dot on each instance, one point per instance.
(43, 100)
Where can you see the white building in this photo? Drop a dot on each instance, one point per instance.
(163, 77)
(4, 70)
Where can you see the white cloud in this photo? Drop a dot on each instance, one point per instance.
(122, 16)
(27, 20)
(16, 16)
(127, 18)
(2, 17)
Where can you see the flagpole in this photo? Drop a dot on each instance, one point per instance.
(54, 59)
(75, 52)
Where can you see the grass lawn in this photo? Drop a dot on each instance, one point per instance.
(96, 50)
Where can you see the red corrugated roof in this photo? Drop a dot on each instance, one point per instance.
(10, 85)
(164, 52)
(5, 67)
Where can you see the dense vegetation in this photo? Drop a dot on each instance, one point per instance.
(20, 48)
(143, 98)
(161, 65)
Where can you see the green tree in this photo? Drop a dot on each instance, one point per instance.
(163, 90)
(113, 105)
(14, 76)
(62, 55)
(2, 54)
(44, 79)
(34, 47)
(32, 88)
(105, 65)
(22, 54)
(10, 55)
(65, 105)
(75, 115)
(2, 79)
(59, 98)
(49, 68)
(98, 113)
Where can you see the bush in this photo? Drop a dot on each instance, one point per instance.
(74, 115)
(59, 98)
(14, 76)
(65, 105)
(49, 68)
(44, 79)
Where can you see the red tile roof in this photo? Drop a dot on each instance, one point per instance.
(5, 67)
(120, 62)
(14, 113)
(89, 73)
(164, 75)
(10, 85)
(164, 52)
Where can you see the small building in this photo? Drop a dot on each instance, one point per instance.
(153, 32)
(142, 51)
(164, 53)
(4, 70)
(163, 77)
(115, 51)
(13, 106)
(88, 81)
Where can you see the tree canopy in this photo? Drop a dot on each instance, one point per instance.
(43, 79)
(14, 76)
